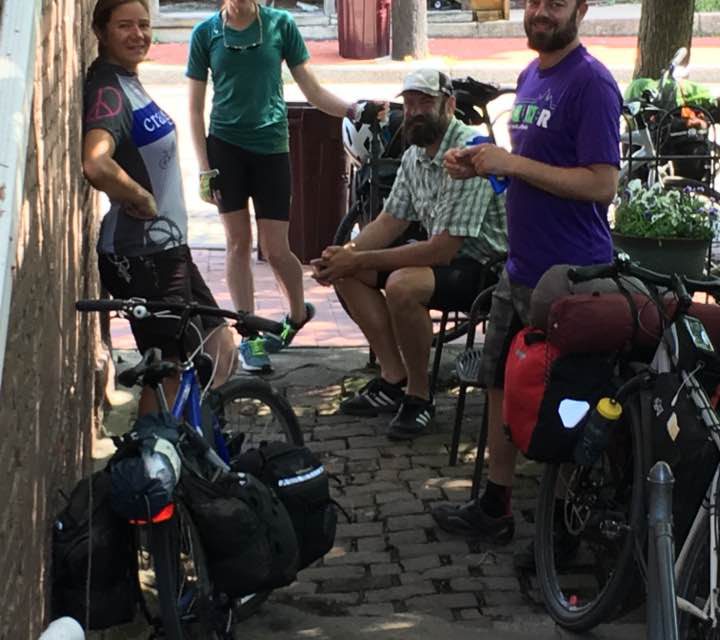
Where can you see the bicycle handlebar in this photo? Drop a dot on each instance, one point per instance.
(140, 309)
(623, 266)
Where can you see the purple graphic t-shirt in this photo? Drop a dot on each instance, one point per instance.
(566, 116)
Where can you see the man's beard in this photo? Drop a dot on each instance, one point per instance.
(553, 40)
(424, 130)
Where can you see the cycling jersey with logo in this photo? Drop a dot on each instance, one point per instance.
(146, 148)
(567, 116)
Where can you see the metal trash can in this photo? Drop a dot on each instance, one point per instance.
(363, 28)
(319, 179)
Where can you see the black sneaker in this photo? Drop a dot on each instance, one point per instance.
(414, 416)
(377, 396)
(471, 521)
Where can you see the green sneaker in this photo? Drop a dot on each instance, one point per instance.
(253, 357)
(275, 343)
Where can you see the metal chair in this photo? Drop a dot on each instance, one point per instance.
(468, 368)
(489, 278)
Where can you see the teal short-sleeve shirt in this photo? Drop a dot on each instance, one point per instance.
(248, 106)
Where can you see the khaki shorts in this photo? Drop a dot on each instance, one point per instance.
(509, 312)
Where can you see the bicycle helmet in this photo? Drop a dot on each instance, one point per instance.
(145, 469)
(356, 139)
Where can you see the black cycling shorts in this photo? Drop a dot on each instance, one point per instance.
(456, 284)
(166, 275)
(244, 174)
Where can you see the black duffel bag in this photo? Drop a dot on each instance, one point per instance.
(301, 482)
(245, 530)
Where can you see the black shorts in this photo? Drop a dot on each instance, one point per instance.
(166, 275)
(244, 174)
(456, 284)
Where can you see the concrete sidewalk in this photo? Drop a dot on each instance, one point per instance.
(174, 23)
(489, 59)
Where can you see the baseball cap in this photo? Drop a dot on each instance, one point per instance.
(429, 81)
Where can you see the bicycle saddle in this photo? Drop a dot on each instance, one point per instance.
(479, 92)
(151, 370)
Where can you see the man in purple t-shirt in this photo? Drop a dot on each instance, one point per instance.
(563, 174)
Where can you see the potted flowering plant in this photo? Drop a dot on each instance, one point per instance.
(667, 230)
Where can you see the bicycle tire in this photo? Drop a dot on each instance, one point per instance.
(165, 552)
(343, 233)
(569, 609)
(693, 584)
(246, 402)
(182, 580)
(252, 408)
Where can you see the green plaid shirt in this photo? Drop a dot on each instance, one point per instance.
(423, 191)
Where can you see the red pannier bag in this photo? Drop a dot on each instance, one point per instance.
(539, 381)
(526, 371)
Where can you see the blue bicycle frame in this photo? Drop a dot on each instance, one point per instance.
(187, 406)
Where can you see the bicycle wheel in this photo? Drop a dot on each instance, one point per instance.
(693, 585)
(350, 225)
(250, 412)
(588, 521)
(183, 589)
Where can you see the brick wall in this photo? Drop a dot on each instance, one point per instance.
(47, 395)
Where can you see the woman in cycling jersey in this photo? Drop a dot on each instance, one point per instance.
(130, 153)
(245, 154)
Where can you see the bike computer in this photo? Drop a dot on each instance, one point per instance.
(698, 334)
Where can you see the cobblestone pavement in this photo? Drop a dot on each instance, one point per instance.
(390, 558)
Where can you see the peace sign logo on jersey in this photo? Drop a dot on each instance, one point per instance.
(108, 103)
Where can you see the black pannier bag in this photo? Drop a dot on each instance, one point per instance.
(680, 438)
(575, 377)
(301, 482)
(105, 542)
(245, 530)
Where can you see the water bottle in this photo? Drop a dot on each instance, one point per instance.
(596, 431)
(498, 184)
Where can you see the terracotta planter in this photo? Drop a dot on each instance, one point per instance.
(687, 256)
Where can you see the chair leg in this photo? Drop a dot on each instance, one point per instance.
(438, 352)
(457, 428)
(480, 455)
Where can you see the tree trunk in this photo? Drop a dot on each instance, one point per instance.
(665, 26)
(409, 29)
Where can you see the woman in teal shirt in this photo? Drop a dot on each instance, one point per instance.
(245, 154)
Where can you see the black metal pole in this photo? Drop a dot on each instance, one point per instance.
(661, 605)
